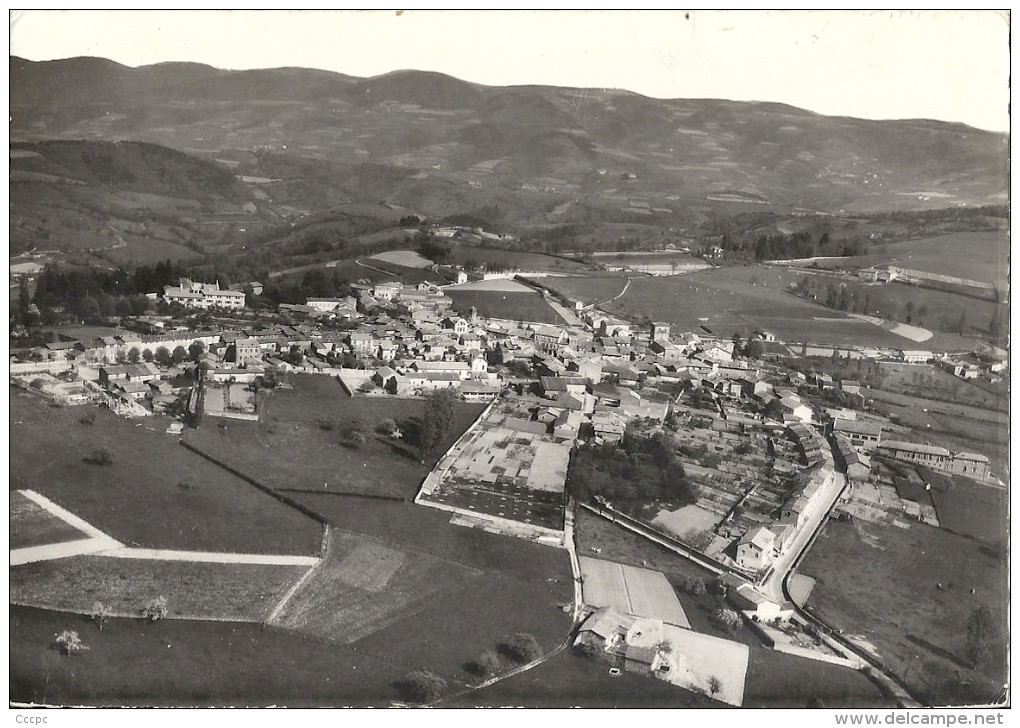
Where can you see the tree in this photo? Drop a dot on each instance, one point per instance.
(980, 633)
(727, 619)
(437, 421)
(134, 355)
(99, 614)
(163, 357)
(424, 686)
(694, 585)
(70, 643)
(156, 609)
(196, 350)
(179, 355)
(386, 427)
(147, 355)
(488, 664)
(714, 685)
(754, 349)
(524, 647)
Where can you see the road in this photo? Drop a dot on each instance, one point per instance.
(817, 511)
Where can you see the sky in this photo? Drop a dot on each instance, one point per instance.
(947, 65)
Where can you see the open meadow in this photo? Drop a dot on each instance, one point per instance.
(525, 305)
(725, 304)
(194, 590)
(909, 593)
(588, 289)
(153, 493)
(298, 443)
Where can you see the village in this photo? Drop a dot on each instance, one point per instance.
(764, 448)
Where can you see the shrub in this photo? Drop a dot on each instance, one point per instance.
(89, 419)
(524, 647)
(386, 427)
(694, 585)
(727, 619)
(424, 686)
(99, 456)
(69, 643)
(156, 609)
(488, 664)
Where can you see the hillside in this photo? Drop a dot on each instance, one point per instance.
(464, 145)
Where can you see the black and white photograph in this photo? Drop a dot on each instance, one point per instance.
(640, 359)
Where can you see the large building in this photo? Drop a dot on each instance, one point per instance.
(202, 295)
(971, 464)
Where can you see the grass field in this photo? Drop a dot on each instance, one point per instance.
(33, 525)
(194, 590)
(524, 306)
(979, 256)
(363, 586)
(588, 289)
(155, 494)
(726, 304)
(296, 444)
(882, 584)
(464, 254)
(930, 381)
(973, 510)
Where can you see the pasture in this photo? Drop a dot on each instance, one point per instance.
(589, 289)
(525, 306)
(974, 510)
(882, 584)
(194, 590)
(473, 256)
(979, 256)
(362, 586)
(726, 305)
(297, 443)
(33, 525)
(155, 493)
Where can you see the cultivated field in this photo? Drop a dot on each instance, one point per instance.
(881, 584)
(194, 590)
(155, 494)
(363, 586)
(589, 289)
(471, 255)
(630, 590)
(33, 525)
(296, 444)
(406, 258)
(979, 256)
(526, 306)
(726, 305)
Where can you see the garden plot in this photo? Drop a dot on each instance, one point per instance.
(193, 590)
(363, 586)
(631, 590)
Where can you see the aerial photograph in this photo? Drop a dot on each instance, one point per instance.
(486, 359)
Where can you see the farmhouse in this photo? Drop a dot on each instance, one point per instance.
(916, 356)
(864, 435)
(757, 549)
(857, 465)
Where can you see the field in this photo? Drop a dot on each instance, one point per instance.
(471, 255)
(363, 586)
(588, 289)
(630, 589)
(194, 590)
(405, 258)
(726, 305)
(973, 510)
(524, 306)
(33, 525)
(296, 444)
(979, 256)
(881, 585)
(155, 494)
(926, 380)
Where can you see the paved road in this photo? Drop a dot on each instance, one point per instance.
(817, 511)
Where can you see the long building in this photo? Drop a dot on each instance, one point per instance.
(971, 464)
(202, 295)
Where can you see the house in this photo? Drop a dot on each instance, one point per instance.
(856, 464)
(863, 435)
(568, 424)
(659, 330)
(460, 369)
(552, 386)
(246, 350)
(458, 325)
(850, 386)
(549, 338)
(202, 295)
(916, 356)
(757, 549)
(362, 343)
(608, 426)
(131, 390)
(479, 391)
(385, 291)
